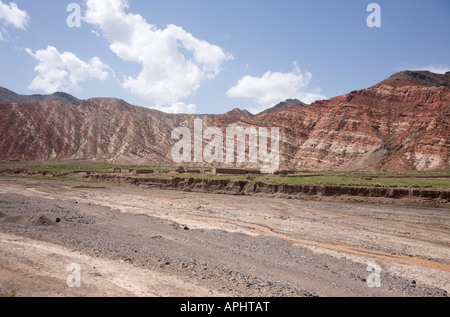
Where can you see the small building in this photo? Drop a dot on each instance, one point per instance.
(192, 172)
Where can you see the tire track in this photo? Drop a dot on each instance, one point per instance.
(342, 248)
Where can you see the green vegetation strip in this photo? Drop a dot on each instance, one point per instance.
(329, 180)
(426, 179)
(71, 166)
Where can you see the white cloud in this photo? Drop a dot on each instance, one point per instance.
(95, 33)
(274, 87)
(178, 107)
(174, 63)
(63, 71)
(11, 15)
(434, 68)
(438, 69)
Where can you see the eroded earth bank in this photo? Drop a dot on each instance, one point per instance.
(136, 241)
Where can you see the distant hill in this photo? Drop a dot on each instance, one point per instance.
(233, 116)
(7, 95)
(290, 103)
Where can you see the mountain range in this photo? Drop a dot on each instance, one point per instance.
(400, 124)
(7, 95)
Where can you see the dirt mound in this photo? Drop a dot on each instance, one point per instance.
(27, 220)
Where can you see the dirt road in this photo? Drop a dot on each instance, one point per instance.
(133, 241)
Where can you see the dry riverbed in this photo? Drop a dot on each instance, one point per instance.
(136, 241)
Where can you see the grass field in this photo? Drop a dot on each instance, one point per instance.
(426, 179)
(337, 179)
(71, 166)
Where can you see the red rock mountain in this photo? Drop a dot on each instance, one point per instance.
(401, 123)
(97, 129)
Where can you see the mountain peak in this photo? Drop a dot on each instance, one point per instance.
(418, 78)
(288, 104)
(238, 114)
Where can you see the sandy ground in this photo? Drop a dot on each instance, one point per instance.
(132, 241)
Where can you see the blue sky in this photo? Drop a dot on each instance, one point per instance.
(205, 56)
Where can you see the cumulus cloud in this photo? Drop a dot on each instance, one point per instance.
(63, 71)
(274, 87)
(174, 62)
(178, 107)
(11, 15)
